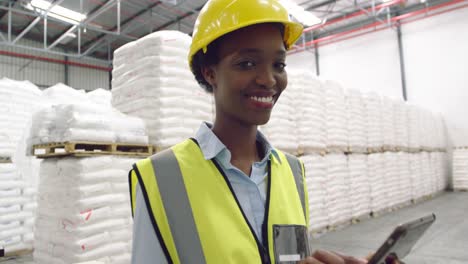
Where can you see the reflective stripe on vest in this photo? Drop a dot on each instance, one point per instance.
(194, 234)
(297, 170)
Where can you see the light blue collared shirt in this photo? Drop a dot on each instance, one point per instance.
(249, 190)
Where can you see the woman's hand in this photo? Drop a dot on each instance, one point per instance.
(327, 257)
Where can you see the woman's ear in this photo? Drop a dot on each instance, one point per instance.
(209, 75)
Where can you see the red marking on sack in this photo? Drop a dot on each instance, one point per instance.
(83, 247)
(88, 214)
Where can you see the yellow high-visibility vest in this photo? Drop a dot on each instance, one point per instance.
(196, 215)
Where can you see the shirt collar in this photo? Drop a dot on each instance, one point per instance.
(212, 147)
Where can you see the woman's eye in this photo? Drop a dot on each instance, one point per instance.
(280, 66)
(246, 64)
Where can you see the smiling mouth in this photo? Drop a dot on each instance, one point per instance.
(266, 99)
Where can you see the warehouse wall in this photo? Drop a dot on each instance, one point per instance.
(88, 79)
(436, 58)
(304, 60)
(368, 63)
(45, 74)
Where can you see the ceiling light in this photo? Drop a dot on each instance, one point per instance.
(56, 11)
(300, 14)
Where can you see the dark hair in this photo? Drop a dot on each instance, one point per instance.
(201, 60)
(211, 57)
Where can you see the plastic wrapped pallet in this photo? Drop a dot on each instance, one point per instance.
(356, 121)
(83, 210)
(376, 174)
(100, 96)
(281, 129)
(460, 168)
(359, 187)
(16, 210)
(337, 131)
(373, 117)
(152, 81)
(316, 180)
(337, 186)
(87, 122)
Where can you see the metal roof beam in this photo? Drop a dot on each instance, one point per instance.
(64, 35)
(165, 25)
(26, 30)
(124, 25)
(324, 3)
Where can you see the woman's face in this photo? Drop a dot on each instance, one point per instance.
(250, 75)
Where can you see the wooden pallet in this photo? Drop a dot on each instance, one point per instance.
(358, 219)
(372, 150)
(5, 255)
(5, 160)
(306, 151)
(460, 189)
(86, 149)
(339, 225)
(357, 150)
(337, 149)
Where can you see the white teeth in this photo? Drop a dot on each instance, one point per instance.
(268, 99)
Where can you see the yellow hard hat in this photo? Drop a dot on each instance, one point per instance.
(219, 17)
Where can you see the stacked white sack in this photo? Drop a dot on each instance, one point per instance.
(337, 131)
(152, 80)
(316, 180)
(373, 115)
(460, 168)
(388, 122)
(359, 187)
(427, 130)
(442, 170)
(64, 94)
(311, 120)
(376, 174)
(85, 122)
(426, 174)
(356, 121)
(417, 179)
(281, 129)
(401, 125)
(391, 178)
(414, 126)
(337, 185)
(100, 97)
(441, 138)
(84, 211)
(405, 178)
(16, 210)
(18, 100)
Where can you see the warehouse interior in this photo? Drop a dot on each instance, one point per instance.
(375, 108)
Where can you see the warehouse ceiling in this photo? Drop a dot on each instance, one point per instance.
(109, 24)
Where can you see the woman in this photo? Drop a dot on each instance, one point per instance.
(227, 196)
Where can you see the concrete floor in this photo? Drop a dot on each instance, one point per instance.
(446, 242)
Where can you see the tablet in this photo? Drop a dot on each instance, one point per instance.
(402, 240)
